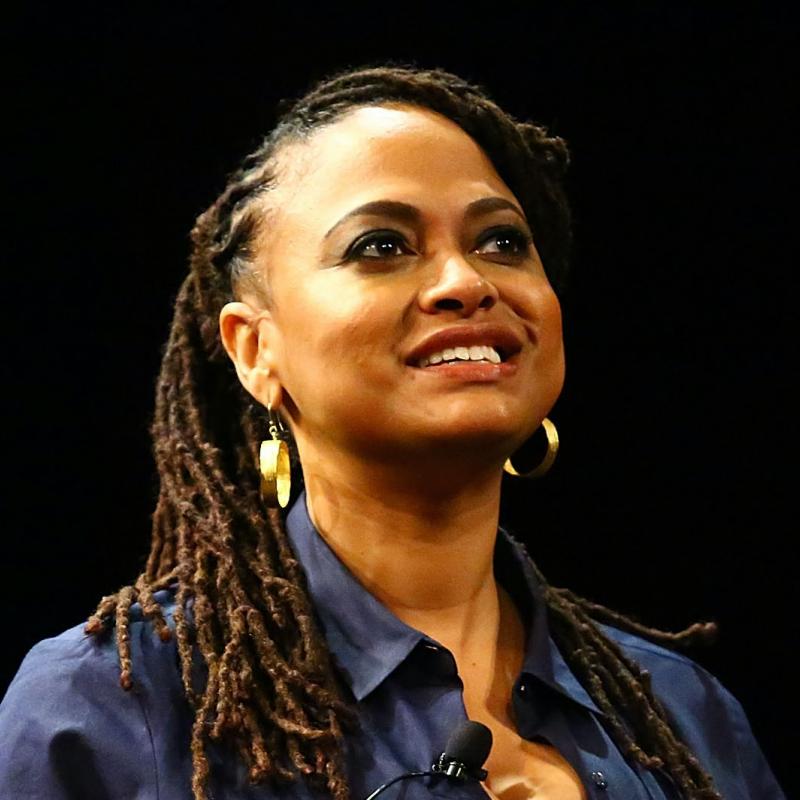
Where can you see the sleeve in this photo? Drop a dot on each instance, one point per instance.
(708, 719)
(756, 773)
(67, 729)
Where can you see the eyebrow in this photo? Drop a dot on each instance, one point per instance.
(404, 212)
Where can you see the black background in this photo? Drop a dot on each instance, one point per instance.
(673, 496)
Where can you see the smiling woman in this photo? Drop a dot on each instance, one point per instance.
(405, 244)
(375, 287)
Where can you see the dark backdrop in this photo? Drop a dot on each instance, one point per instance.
(673, 494)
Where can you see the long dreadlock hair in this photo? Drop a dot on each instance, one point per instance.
(241, 601)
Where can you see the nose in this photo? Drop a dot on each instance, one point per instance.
(458, 287)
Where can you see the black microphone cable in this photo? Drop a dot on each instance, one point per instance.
(466, 750)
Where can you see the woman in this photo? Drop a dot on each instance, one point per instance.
(376, 286)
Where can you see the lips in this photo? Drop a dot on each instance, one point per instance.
(504, 339)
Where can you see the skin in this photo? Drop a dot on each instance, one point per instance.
(402, 465)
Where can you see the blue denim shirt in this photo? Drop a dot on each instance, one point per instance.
(68, 731)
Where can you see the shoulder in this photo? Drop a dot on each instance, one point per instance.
(65, 717)
(59, 673)
(706, 716)
(686, 689)
(664, 665)
(75, 661)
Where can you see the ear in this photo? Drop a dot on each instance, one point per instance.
(248, 338)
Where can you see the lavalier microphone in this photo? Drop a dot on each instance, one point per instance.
(463, 758)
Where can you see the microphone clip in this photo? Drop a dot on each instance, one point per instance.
(451, 768)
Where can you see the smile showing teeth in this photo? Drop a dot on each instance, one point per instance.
(473, 353)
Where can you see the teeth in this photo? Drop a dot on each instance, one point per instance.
(473, 353)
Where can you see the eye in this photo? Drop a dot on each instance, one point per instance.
(378, 244)
(506, 241)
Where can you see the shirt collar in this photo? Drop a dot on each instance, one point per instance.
(543, 660)
(369, 642)
(366, 639)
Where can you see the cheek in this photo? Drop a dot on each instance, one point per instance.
(551, 332)
(542, 313)
(329, 328)
(537, 306)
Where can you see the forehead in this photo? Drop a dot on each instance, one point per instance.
(397, 152)
(403, 136)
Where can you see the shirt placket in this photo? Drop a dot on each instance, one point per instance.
(544, 714)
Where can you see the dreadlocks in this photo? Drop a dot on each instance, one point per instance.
(271, 688)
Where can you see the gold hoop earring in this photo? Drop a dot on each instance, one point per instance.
(549, 456)
(273, 463)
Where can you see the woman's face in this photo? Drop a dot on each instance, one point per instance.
(394, 253)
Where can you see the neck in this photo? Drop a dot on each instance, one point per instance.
(423, 544)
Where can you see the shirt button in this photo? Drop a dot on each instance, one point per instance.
(599, 780)
(438, 661)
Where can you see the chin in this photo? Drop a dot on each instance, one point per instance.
(503, 417)
(492, 435)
